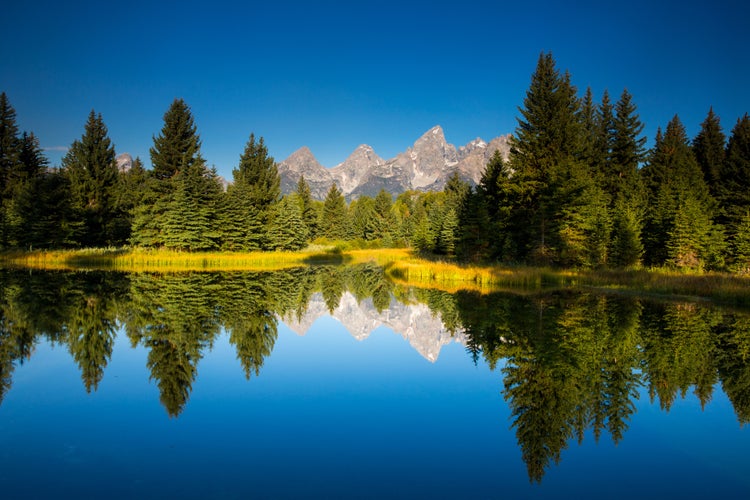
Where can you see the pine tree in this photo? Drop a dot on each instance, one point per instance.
(734, 179)
(708, 147)
(92, 172)
(176, 149)
(8, 144)
(250, 199)
(130, 192)
(362, 218)
(627, 248)
(674, 182)
(307, 208)
(740, 248)
(551, 197)
(628, 148)
(383, 221)
(190, 220)
(333, 217)
(604, 138)
(286, 230)
(19, 209)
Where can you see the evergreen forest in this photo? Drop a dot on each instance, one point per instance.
(579, 189)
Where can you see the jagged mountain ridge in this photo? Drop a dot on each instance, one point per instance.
(416, 323)
(426, 166)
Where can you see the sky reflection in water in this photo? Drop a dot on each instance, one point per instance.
(329, 415)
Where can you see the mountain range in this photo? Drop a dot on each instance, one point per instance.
(426, 166)
(416, 323)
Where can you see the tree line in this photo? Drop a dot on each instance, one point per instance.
(579, 189)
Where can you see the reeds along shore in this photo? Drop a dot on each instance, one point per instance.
(401, 265)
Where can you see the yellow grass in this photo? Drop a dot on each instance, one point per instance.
(165, 260)
(401, 265)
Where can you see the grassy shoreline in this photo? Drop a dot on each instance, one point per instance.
(401, 265)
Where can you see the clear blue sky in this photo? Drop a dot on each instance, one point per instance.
(333, 75)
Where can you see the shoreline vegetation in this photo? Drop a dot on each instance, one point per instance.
(403, 266)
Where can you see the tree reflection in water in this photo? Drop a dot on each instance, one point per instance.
(571, 362)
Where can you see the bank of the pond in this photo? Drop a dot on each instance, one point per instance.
(402, 266)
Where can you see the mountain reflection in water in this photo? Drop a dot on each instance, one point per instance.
(569, 363)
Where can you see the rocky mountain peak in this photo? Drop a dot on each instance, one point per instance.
(303, 156)
(124, 162)
(425, 166)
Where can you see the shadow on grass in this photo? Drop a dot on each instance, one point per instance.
(333, 256)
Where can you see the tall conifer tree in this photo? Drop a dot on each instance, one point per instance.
(734, 179)
(675, 184)
(333, 217)
(176, 149)
(708, 147)
(92, 172)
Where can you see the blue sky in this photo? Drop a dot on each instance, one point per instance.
(333, 75)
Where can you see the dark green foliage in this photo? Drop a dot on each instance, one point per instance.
(333, 218)
(250, 200)
(475, 229)
(286, 229)
(554, 210)
(627, 149)
(177, 146)
(361, 215)
(181, 197)
(130, 192)
(708, 147)
(383, 220)
(734, 177)
(674, 183)
(626, 248)
(604, 125)
(307, 208)
(8, 144)
(190, 222)
(258, 170)
(740, 246)
(92, 172)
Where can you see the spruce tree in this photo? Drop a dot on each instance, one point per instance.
(177, 146)
(20, 210)
(176, 149)
(286, 229)
(675, 183)
(256, 189)
(190, 219)
(250, 199)
(92, 172)
(383, 221)
(708, 147)
(333, 217)
(604, 138)
(740, 247)
(628, 147)
(8, 144)
(551, 196)
(734, 179)
(307, 208)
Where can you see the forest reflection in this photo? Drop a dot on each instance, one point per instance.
(570, 362)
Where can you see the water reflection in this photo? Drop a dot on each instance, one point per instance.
(570, 363)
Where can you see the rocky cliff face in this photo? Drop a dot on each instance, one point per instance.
(415, 323)
(302, 162)
(425, 166)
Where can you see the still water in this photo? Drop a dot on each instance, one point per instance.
(333, 382)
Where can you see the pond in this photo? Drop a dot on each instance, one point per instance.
(334, 382)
